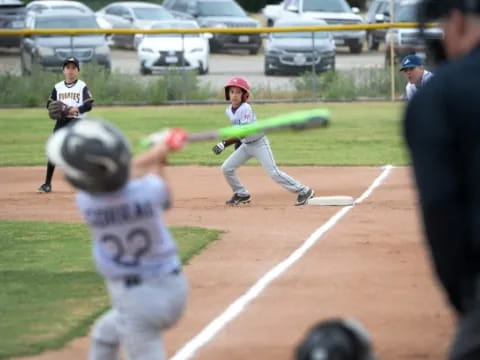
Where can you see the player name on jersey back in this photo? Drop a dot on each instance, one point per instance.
(119, 214)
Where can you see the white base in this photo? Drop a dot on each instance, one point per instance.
(338, 200)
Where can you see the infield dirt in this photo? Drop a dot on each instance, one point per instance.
(372, 265)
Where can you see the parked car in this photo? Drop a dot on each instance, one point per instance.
(334, 12)
(12, 16)
(220, 14)
(377, 13)
(157, 52)
(271, 12)
(132, 15)
(297, 52)
(406, 40)
(49, 51)
(45, 5)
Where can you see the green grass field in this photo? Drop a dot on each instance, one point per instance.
(51, 292)
(360, 133)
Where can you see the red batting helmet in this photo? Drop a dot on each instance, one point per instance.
(240, 83)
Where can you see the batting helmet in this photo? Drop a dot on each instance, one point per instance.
(94, 155)
(240, 83)
(335, 339)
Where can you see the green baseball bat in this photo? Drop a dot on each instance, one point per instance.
(299, 120)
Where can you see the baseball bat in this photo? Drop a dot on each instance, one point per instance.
(299, 120)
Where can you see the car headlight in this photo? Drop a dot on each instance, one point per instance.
(45, 51)
(199, 49)
(145, 49)
(327, 53)
(102, 50)
(273, 51)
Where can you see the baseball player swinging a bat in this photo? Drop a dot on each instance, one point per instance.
(132, 247)
(240, 113)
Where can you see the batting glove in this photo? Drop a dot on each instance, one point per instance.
(217, 149)
(174, 139)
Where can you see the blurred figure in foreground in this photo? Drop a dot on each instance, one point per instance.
(442, 130)
(335, 339)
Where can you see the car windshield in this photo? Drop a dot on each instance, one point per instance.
(149, 13)
(67, 23)
(76, 8)
(406, 12)
(174, 35)
(326, 6)
(300, 35)
(220, 8)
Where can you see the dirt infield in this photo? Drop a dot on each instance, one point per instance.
(371, 265)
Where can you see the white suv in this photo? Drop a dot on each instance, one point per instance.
(333, 12)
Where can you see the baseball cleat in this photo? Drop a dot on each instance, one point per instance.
(236, 200)
(303, 198)
(45, 188)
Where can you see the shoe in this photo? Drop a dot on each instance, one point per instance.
(236, 199)
(303, 198)
(45, 188)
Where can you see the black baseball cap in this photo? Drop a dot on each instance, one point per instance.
(71, 60)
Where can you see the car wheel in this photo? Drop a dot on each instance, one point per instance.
(23, 67)
(267, 71)
(145, 71)
(372, 44)
(254, 51)
(356, 48)
(202, 69)
(387, 60)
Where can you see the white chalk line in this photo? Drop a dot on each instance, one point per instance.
(235, 308)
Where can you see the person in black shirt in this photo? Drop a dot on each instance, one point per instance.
(442, 130)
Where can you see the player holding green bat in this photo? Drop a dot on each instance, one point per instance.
(257, 146)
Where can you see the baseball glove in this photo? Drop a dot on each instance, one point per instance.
(57, 110)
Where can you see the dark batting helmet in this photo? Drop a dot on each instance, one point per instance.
(94, 155)
(335, 339)
(240, 83)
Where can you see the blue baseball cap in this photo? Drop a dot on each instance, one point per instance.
(411, 61)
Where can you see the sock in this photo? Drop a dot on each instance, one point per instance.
(50, 170)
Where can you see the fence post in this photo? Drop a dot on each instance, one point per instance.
(314, 74)
(392, 53)
(184, 80)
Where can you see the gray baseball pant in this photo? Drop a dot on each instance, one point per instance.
(138, 316)
(259, 149)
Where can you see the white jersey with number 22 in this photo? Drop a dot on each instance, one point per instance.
(129, 234)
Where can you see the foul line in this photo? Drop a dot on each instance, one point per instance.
(189, 349)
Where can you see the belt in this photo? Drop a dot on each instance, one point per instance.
(135, 280)
(251, 142)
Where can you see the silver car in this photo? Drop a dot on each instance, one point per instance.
(298, 52)
(12, 17)
(45, 5)
(132, 15)
(49, 51)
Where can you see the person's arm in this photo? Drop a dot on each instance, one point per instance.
(53, 97)
(154, 159)
(87, 102)
(430, 134)
(409, 91)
